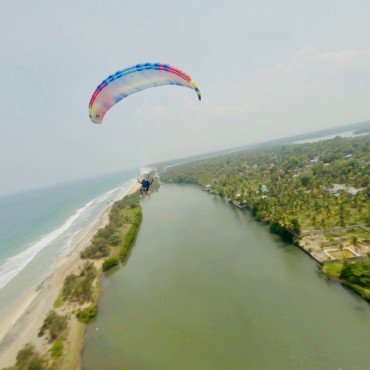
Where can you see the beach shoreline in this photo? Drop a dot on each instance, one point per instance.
(21, 321)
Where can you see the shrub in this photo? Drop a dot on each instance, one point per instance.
(123, 253)
(285, 234)
(305, 180)
(115, 238)
(357, 273)
(57, 348)
(98, 248)
(134, 204)
(55, 324)
(109, 263)
(58, 302)
(86, 314)
(28, 358)
(130, 236)
(364, 293)
(78, 288)
(296, 226)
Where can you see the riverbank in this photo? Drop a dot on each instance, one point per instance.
(21, 322)
(337, 249)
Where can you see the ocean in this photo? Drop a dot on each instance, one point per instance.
(38, 226)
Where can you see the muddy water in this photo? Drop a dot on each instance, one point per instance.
(206, 287)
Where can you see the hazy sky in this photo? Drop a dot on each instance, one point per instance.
(266, 69)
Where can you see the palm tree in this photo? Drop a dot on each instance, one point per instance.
(355, 244)
(341, 246)
(342, 215)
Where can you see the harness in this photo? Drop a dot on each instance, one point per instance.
(145, 184)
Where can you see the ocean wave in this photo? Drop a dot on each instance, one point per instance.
(12, 266)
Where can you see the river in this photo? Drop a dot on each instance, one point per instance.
(206, 287)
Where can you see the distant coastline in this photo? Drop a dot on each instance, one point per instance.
(356, 129)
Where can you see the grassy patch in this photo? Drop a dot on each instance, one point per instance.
(359, 233)
(332, 235)
(57, 348)
(333, 269)
(58, 302)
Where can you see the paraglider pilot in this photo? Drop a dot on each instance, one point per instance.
(145, 184)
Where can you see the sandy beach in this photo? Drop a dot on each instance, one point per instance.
(21, 322)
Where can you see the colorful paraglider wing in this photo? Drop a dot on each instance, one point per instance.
(134, 79)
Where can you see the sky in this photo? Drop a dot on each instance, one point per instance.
(266, 69)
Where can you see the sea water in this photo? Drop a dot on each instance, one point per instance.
(38, 226)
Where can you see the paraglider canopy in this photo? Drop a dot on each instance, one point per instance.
(134, 79)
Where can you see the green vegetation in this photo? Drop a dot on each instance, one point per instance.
(331, 235)
(87, 314)
(291, 185)
(29, 359)
(287, 234)
(55, 324)
(57, 348)
(58, 302)
(115, 238)
(124, 212)
(298, 189)
(333, 269)
(357, 273)
(130, 236)
(98, 249)
(109, 263)
(78, 288)
(363, 292)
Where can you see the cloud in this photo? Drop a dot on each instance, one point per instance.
(310, 63)
(230, 110)
(340, 59)
(315, 86)
(313, 89)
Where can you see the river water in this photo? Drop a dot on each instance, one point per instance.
(206, 287)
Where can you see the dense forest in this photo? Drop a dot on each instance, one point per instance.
(312, 186)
